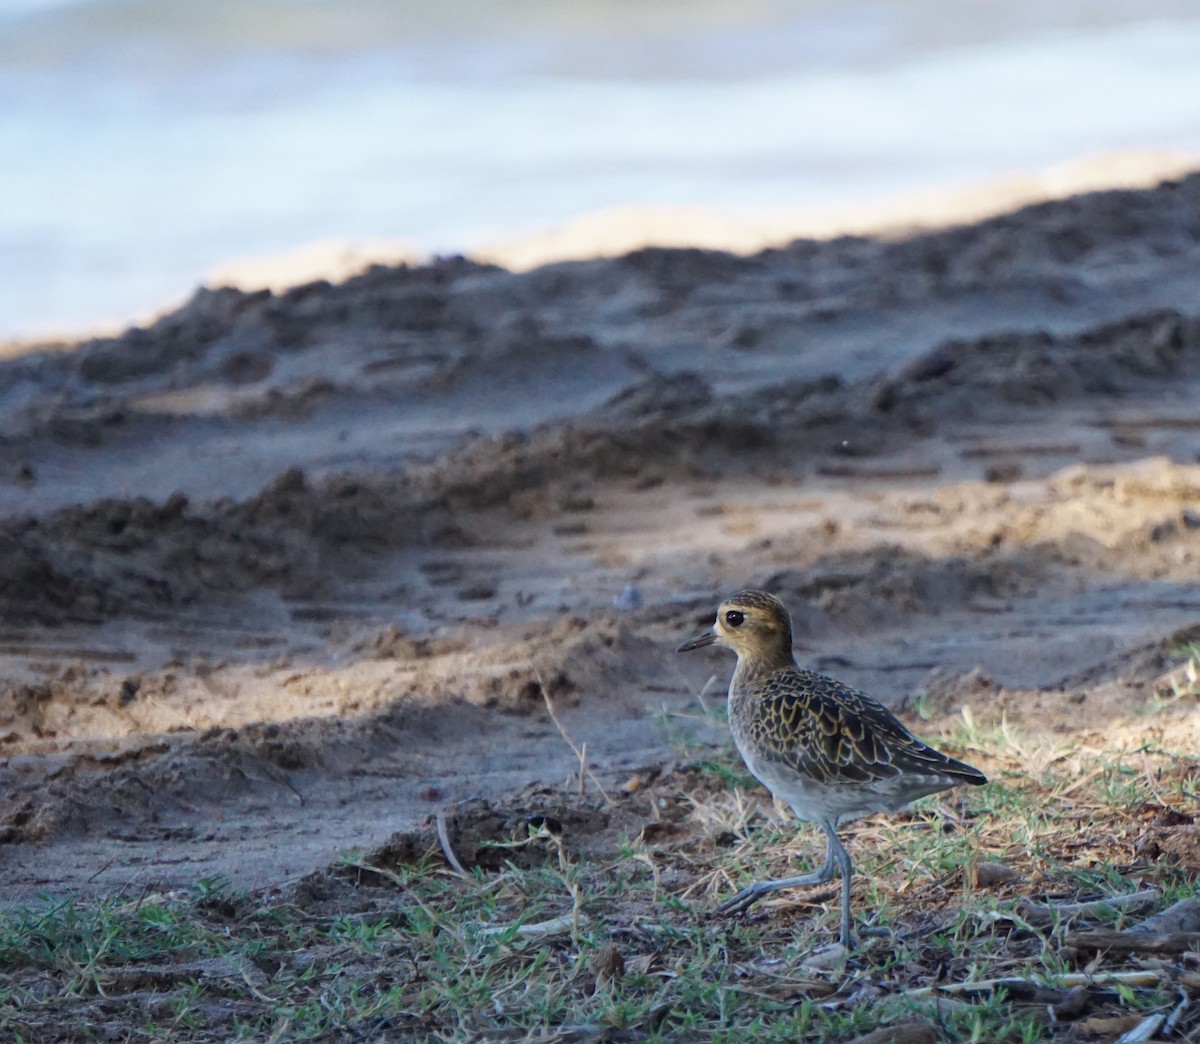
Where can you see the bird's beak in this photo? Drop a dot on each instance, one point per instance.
(699, 642)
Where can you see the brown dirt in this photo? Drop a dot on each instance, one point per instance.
(282, 575)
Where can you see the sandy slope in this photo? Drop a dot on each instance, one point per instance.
(282, 573)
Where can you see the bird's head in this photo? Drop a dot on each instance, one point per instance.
(754, 624)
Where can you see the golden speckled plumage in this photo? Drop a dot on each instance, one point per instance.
(834, 734)
(829, 751)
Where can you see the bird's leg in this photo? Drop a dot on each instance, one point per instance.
(751, 894)
(847, 868)
(834, 852)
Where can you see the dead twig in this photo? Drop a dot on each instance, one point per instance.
(573, 889)
(103, 866)
(1023, 990)
(935, 1004)
(444, 840)
(538, 930)
(1041, 915)
(1134, 941)
(1061, 982)
(900, 1033)
(704, 691)
(1176, 1012)
(1147, 1029)
(581, 754)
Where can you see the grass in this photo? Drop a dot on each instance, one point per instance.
(557, 932)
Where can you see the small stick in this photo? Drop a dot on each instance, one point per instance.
(644, 857)
(580, 754)
(104, 866)
(1147, 1029)
(712, 680)
(576, 893)
(1071, 979)
(900, 1033)
(1042, 914)
(1176, 1013)
(539, 930)
(940, 1003)
(1134, 942)
(444, 840)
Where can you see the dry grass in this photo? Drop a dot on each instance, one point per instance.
(578, 918)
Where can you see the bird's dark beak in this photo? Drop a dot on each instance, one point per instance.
(699, 642)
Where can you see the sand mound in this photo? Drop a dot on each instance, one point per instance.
(337, 543)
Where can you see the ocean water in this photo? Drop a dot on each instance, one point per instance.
(146, 142)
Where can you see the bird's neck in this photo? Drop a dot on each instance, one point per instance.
(763, 664)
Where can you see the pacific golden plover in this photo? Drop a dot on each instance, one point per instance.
(829, 751)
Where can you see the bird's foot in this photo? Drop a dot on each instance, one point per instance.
(745, 899)
(751, 894)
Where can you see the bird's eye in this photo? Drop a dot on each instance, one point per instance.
(734, 618)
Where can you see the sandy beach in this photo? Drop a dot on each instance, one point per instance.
(283, 573)
(346, 594)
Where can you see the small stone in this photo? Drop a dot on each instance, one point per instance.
(1003, 473)
(608, 964)
(129, 689)
(635, 783)
(630, 598)
(988, 875)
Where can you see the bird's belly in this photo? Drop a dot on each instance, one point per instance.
(816, 801)
(809, 799)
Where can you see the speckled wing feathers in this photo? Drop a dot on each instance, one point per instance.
(834, 734)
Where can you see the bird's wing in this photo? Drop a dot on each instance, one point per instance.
(834, 734)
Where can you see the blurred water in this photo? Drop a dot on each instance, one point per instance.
(146, 141)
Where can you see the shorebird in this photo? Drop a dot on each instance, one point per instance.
(830, 752)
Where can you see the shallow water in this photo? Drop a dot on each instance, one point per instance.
(147, 142)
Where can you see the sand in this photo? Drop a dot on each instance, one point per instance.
(283, 572)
